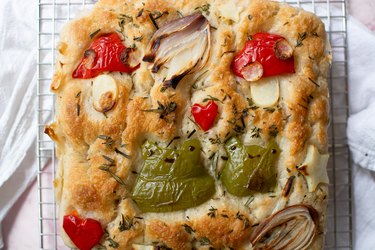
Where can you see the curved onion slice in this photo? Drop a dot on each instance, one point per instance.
(181, 46)
(292, 228)
(104, 93)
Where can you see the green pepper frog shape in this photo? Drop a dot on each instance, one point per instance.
(249, 169)
(172, 179)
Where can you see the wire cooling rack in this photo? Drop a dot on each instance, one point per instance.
(53, 14)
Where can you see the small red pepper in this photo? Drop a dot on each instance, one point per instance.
(106, 53)
(272, 51)
(85, 233)
(205, 116)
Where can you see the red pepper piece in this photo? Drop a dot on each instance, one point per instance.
(106, 53)
(262, 49)
(85, 233)
(205, 116)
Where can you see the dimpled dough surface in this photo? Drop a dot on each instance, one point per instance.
(83, 134)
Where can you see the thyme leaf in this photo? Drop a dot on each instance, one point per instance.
(92, 35)
(204, 9)
(204, 241)
(255, 132)
(211, 98)
(108, 141)
(188, 229)
(273, 130)
(112, 242)
(126, 223)
(153, 21)
(212, 212)
(138, 38)
(301, 37)
(78, 108)
(122, 153)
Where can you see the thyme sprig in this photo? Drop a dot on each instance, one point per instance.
(127, 223)
(108, 141)
(204, 9)
(112, 242)
(212, 212)
(163, 110)
(255, 132)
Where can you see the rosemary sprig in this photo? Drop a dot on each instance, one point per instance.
(109, 159)
(114, 176)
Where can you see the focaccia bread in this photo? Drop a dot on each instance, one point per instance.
(192, 125)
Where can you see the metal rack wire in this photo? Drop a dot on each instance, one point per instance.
(53, 14)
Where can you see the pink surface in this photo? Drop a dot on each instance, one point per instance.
(21, 227)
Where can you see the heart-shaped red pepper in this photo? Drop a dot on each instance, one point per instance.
(85, 233)
(205, 116)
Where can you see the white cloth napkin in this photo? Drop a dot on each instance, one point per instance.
(361, 123)
(361, 130)
(17, 100)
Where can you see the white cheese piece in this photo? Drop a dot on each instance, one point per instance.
(314, 168)
(104, 93)
(265, 92)
(230, 11)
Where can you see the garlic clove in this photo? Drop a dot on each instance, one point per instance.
(283, 50)
(252, 72)
(266, 92)
(143, 247)
(104, 93)
(230, 11)
(314, 168)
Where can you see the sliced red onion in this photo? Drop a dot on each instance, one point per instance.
(293, 228)
(181, 46)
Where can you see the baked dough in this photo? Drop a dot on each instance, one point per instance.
(83, 134)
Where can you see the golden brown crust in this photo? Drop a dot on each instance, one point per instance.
(299, 119)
